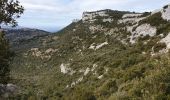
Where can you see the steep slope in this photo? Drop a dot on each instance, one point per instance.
(108, 55)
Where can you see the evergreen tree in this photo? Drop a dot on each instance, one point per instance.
(4, 59)
(9, 11)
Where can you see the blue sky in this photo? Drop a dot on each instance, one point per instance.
(52, 15)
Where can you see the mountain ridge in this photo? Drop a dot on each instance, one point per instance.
(109, 55)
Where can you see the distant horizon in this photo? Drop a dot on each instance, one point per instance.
(53, 15)
(48, 29)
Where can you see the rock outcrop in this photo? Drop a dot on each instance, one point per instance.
(8, 90)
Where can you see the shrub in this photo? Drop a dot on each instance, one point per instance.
(165, 7)
(80, 93)
(163, 29)
(4, 59)
(147, 37)
(110, 86)
(145, 14)
(154, 20)
(159, 46)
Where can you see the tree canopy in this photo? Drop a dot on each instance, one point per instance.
(9, 11)
(4, 59)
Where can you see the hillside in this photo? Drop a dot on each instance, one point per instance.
(107, 55)
(16, 35)
(19, 35)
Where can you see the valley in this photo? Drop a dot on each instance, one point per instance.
(107, 55)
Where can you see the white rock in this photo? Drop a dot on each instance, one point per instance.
(161, 35)
(146, 29)
(81, 70)
(94, 67)
(96, 28)
(8, 90)
(76, 82)
(67, 86)
(36, 52)
(74, 30)
(92, 46)
(50, 50)
(34, 49)
(166, 13)
(130, 28)
(107, 69)
(86, 71)
(131, 20)
(111, 31)
(100, 77)
(102, 13)
(101, 45)
(143, 53)
(143, 30)
(55, 38)
(11, 88)
(73, 84)
(166, 40)
(131, 15)
(89, 16)
(94, 37)
(108, 20)
(66, 70)
(79, 80)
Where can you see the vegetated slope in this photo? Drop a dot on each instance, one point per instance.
(107, 55)
(18, 35)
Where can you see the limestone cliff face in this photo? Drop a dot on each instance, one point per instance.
(91, 16)
(165, 12)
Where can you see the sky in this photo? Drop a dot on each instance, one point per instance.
(52, 15)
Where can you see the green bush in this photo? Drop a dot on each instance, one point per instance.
(80, 94)
(108, 87)
(159, 46)
(165, 7)
(154, 20)
(163, 29)
(145, 14)
(4, 59)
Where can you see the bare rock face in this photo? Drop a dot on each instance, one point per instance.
(166, 12)
(8, 90)
(131, 15)
(143, 30)
(92, 15)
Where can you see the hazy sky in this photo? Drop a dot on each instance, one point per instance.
(53, 14)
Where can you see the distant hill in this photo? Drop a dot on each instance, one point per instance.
(20, 34)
